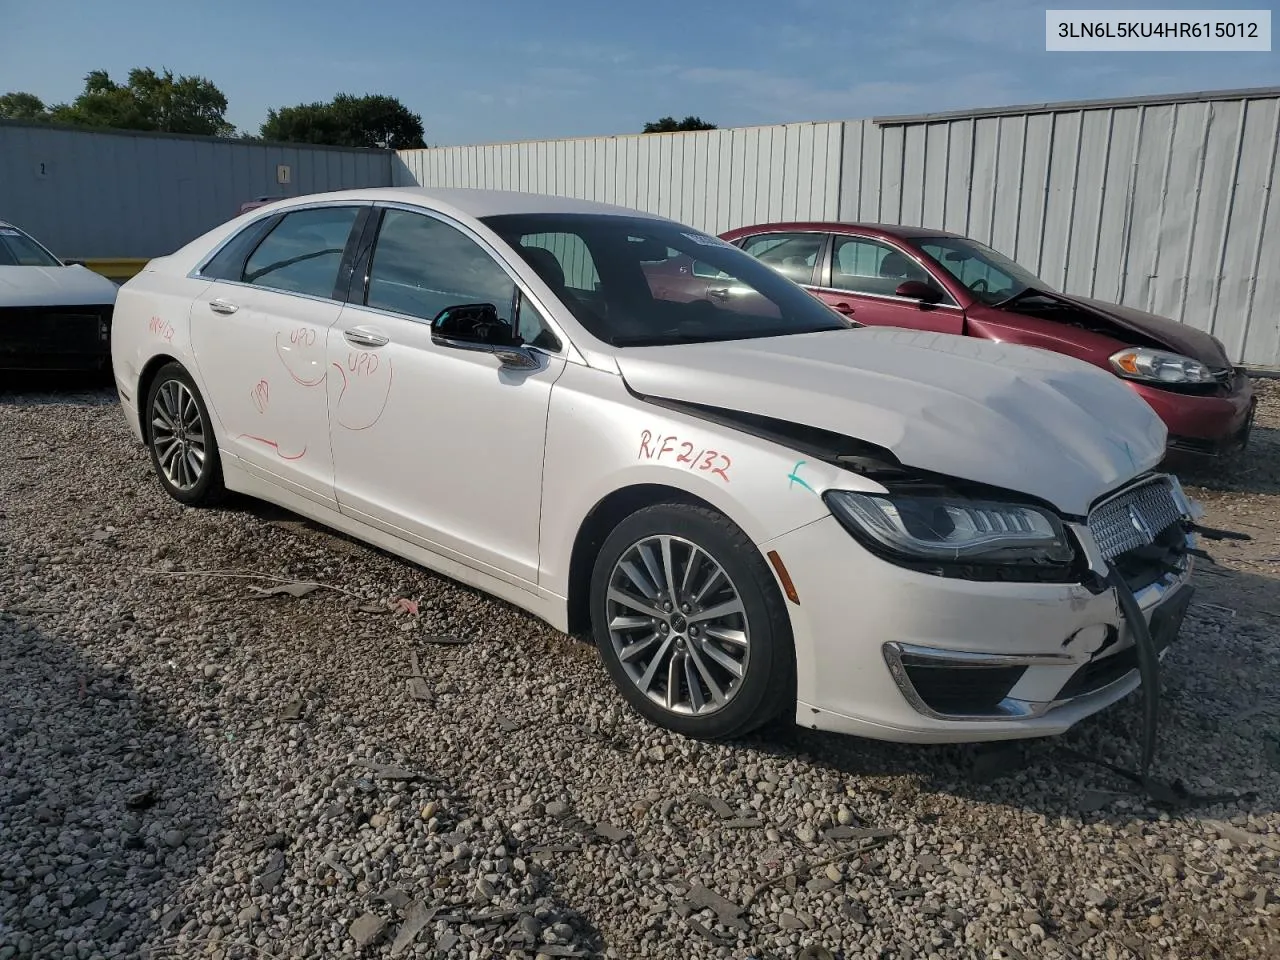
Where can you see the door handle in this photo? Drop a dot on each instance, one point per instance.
(719, 293)
(360, 337)
(222, 306)
(845, 308)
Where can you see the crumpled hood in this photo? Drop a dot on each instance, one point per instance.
(1029, 420)
(1177, 337)
(54, 287)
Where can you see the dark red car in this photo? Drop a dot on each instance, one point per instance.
(931, 280)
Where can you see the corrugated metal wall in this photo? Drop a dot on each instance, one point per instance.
(714, 179)
(1167, 207)
(1165, 204)
(120, 194)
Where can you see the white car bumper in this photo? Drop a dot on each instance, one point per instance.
(892, 654)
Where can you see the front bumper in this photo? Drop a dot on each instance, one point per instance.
(887, 653)
(1211, 424)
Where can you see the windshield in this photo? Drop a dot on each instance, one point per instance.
(19, 250)
(990, 276)
(633, 281)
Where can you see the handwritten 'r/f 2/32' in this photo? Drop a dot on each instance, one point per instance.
(706, 461)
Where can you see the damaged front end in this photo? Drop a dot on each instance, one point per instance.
(1136, 544)
(1185, 374)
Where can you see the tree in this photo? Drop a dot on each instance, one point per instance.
(348, 121)
(672, 125)
(149, 101)
(22, 106)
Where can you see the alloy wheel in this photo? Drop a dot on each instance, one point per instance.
(678, 626)
(178, 434)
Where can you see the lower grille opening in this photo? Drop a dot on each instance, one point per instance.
(1143, 566)
(1100, 673)
(960, 690)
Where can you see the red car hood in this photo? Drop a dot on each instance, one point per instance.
(1175, 336)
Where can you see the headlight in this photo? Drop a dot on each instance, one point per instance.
(953, 529)
(1158, 366)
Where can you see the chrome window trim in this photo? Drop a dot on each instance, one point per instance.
(568, 350)
(197, 272)
(836, 237)
(883, 296)
(277, 291)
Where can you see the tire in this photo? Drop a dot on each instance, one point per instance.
(692, 541)
(180, 426)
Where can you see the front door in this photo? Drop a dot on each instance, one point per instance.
(864, 275)
(439, 445)
(259, 333)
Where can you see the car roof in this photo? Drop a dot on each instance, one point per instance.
(898, 230)
(469, 201)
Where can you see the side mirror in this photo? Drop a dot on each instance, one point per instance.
(472, 323)
(918, 290)
(477, 326)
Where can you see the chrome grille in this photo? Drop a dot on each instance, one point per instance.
(1135, 517)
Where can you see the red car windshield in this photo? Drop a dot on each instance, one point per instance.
(990, 276)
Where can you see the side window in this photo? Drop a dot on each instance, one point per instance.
(793, 255)
(422, 265)
(228, 263)
(302, 254)
(969, 270)
(533, 329)
(571, 256)
(868, 266)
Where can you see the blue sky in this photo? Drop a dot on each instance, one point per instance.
(483, 71)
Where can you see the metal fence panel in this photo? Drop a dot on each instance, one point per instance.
(102, 194)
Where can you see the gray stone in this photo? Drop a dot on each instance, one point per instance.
(416, 916)
(366, 929)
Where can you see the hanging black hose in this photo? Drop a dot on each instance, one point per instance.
(1174, 794)
(1148, 667)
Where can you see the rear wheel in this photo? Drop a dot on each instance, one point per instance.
(690, 623)
(180, 437)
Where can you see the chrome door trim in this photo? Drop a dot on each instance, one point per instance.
(364, 338)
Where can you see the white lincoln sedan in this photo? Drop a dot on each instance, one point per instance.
(636, 431)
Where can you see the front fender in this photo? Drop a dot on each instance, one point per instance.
(601, 439)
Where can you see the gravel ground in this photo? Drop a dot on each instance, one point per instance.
(189, 768)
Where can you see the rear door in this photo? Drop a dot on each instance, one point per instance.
(259, 333)
(862, 275)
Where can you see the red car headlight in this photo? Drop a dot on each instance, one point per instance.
(1159, 366)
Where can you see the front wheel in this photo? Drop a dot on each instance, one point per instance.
(180, 437)
(690, 623)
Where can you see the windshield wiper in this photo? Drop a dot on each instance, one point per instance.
(1025, 291)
